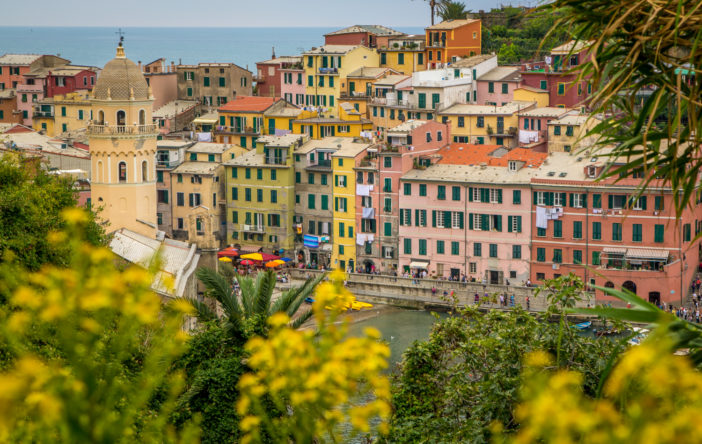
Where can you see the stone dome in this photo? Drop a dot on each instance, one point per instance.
(122, 78)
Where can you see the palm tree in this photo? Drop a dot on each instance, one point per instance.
(246, 314)
(432, 6)
(451, 10)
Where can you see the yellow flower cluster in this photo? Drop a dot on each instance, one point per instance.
(90, 319)
(313, 378)
(651, 396)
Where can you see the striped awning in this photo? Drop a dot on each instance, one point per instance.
(647, 254)
(418, 264)
(614, 250)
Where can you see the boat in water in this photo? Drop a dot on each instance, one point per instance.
(583, 325)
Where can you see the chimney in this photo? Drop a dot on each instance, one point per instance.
(139, 65)
(273, 55)
(172, 66)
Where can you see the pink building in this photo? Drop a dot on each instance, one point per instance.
(372, 36)
(163, 80)
(409, 144)
(533, 127)
(496, 87)
(293, 87)
(607, 237)
(472, 190)
(269, 76)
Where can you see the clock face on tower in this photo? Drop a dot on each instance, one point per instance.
(123, 148)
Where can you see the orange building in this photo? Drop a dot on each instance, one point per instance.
(452, 39)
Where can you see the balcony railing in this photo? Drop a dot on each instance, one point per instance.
(254, 228)
(438, 44)
(167, 164)
(43, 114)
(328, 71)
(118, 130)
(275, 161)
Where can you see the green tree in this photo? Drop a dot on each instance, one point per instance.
(644, 68)
(454, 386)
(30, 208)
(508, 54)
(247, 314)
(451, 10)
(107, 348)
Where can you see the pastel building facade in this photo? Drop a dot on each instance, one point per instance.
(534, 126)
(169, 154)
(485, 124)
(293, 87)
(610, 238)
(327, 69)
(496, 87)
(372, 36)
(405, 54)
(378, 188)
(451, 40)
(270, 77)
(261, 196)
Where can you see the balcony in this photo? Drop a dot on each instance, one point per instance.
(254, 228)
(328, 71)
(43, 114)
(320, 165)
(275, 160)
(121, 130)
(167, 164)
(437, 44)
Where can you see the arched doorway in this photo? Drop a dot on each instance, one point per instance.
(121, 118)
(629, 285)
(654, 297)
(368, 266)
(101, 117)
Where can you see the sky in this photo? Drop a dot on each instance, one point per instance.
(227, 13)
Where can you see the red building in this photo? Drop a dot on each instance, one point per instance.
(269, 78)
(555, 76)
(372, 36)
(452, 39)
(601, 232)
(69, 78)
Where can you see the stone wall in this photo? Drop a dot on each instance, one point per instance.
(417, 293)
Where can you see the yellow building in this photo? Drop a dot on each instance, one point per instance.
(123, 148)
(404, 54)
(243, 120)
(531, 94)
(359, 86)
(567, 134)
(344, 160)
(63, 113)
(261, 196)
(349, 123)
(327, 69)
(485, 124)
(199, 198)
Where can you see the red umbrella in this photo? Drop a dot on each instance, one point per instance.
(247, 262)
(228, 252)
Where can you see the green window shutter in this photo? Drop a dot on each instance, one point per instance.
(595, 258)
(596, 201)
(498, 223)
(460, 220)
(484, 221)
(433, 218)
(519, 224)
(477, 249)
(687, 233)
(440, 247)
(422, 100)
(456, 193)
(583, 199)
(409, 217)
(577, 229)
(491, 87)
(540, 254)
(636, 232)
(610, 201)
(336, 204)
(535, 197)
(470, 194)
(516, 196)
(447, 219)
(516, 251)
(407, 189)
(416, 218)
(571, 196)
(509, 224)
(499, 195)
(408, 246)
(577, 256)
(470, 221)
(597, 230)
(642, 199)
(658, 203)
(658, 233)
(387, 229)
(557, 228)
(325, 202)
(274, 196)
(563, 198)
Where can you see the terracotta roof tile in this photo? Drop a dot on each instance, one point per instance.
(249, 103)
(469, 154)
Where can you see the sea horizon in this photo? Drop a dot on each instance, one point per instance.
(95, 45)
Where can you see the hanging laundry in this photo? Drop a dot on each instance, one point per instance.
(541, 218)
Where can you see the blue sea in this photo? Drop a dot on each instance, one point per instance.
(95, 46)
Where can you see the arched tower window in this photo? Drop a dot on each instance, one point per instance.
(101, 117)
(122, 171)
(121, 118)
(99, 171)
(142, 117)
(144, 171)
